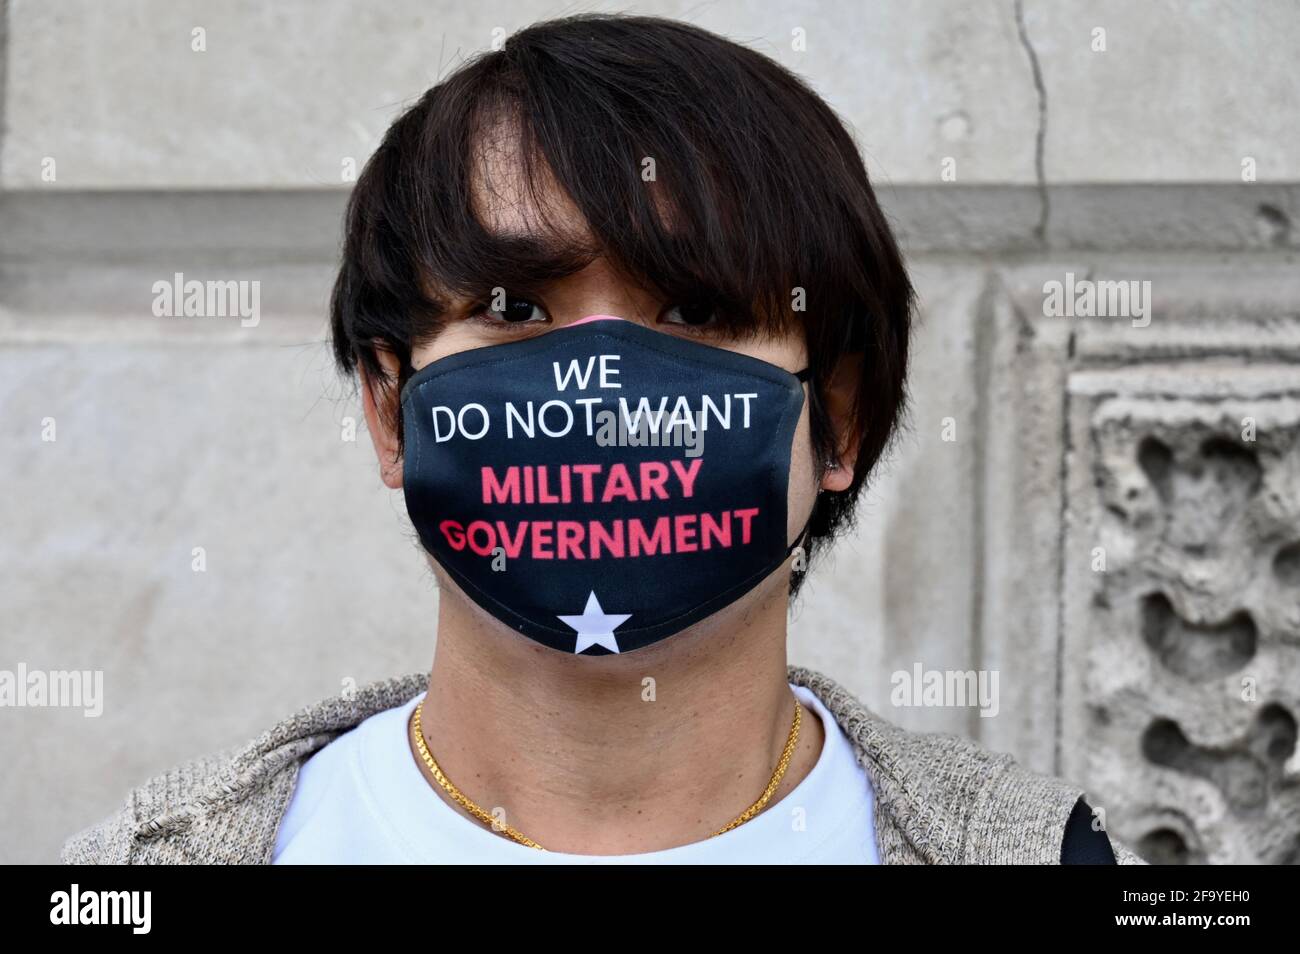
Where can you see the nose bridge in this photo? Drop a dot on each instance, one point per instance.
(601, 291)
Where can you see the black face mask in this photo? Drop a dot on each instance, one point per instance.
(604, 485)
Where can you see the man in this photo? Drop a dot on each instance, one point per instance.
(631, 334)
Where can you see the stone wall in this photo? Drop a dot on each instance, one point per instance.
(1104, 512)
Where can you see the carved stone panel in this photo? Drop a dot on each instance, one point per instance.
(1181, 627)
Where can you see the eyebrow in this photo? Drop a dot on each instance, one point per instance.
(520, 262)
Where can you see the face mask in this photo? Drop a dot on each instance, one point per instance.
(602, 486)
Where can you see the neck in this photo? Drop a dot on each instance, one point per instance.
(611, 755)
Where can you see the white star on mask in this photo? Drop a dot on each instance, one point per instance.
(595, 627)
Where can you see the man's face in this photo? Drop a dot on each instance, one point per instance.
(504, 206)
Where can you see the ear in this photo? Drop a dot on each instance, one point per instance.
(379, 401)
(840, 397)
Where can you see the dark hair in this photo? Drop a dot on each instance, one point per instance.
(758, 190)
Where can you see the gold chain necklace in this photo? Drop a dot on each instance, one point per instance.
(464, 801)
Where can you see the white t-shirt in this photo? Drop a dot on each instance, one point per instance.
(362, 799)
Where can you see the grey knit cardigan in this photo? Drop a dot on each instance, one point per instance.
(940, 798)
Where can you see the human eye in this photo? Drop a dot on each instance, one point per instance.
(691, 316)
(512, 310)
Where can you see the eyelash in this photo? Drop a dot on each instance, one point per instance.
(481, 313)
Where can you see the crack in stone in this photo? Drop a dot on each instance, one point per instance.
(1044, 205)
